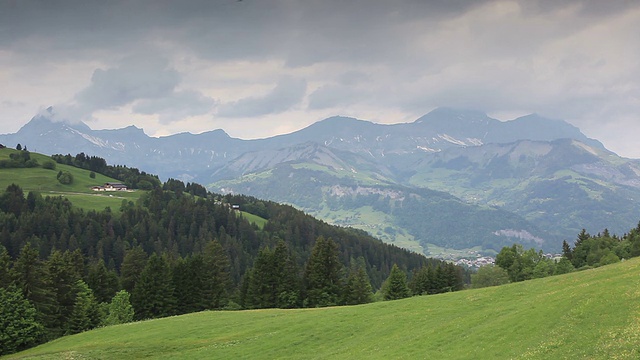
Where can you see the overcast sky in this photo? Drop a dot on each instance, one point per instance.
(257, 68)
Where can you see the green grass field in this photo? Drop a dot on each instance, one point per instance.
(593, 314)
(79, 192)
(254, 219)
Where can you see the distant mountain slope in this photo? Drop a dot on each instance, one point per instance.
(345, 189)
(538, 180)
(562, 185)
(193, 156)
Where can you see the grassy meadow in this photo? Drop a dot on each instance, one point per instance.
(46, 183)
(593, 314)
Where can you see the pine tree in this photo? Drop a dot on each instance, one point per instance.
(152, 296)
(419, 283)
(288, 287)
(188, 284)
(358, 287)
(262, 289)
(85, 315)
(19, 327)
(31, 277)
(566, 250)
(102, 281)
(322, 274)
(215, 275)
(6, 272)
(62, 276)
(133, 264)
(396, 285)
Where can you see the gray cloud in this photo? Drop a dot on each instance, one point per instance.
(286, 94)
(330, 96)
(572, 59)
(135, 78)
(179, 105)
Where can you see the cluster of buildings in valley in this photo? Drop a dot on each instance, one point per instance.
(479, 261)
(476, 262)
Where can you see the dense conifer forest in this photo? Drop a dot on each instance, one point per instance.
(181, 249)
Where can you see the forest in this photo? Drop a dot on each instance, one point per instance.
(181, 249)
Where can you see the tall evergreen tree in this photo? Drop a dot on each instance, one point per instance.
(215, 275)
(31, 277)
(102, 281)
(289, 282)
(6, 272)
(133, 264)
(262, 290)
(396, 285)
(62, 276)
(153, 294)
(322, 274)
(85, 315)
(188, 284)
(566, 250)
(19, 327)
(357, 287)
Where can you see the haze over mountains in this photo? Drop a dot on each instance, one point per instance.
(453, 178)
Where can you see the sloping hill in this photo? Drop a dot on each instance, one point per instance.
(46, 183)
(593, 314)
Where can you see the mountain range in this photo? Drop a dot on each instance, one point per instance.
(452, 179)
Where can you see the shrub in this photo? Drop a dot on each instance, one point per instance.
(49, 164)
(65, 177)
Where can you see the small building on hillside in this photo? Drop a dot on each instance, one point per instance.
(115, 187)
(110, 187)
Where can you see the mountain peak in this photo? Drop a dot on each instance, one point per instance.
(448, 115)
(46, 121)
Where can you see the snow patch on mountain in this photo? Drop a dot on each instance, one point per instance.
(452, 140)
(98, 141)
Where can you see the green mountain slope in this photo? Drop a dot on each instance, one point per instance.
(46, 183)
(349, 191)
(560, 186)
(593, 314)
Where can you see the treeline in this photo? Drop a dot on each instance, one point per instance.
(588, 251)
(20, 159)
(132, 177)
(174, 253)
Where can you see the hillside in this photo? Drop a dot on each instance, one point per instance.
(531, 180)
(46, 183)
(590, 314)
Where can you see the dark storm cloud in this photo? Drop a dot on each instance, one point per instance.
(285, 95)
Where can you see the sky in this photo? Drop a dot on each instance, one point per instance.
(257, 68)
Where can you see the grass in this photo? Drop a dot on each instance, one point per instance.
(254, 219)
(374, 222)
(79, 192)
(593, 314)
